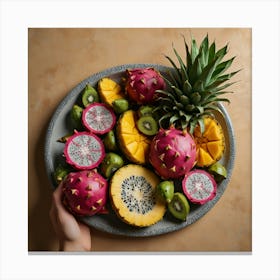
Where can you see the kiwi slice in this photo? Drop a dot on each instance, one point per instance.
(89, 95)
(179, 206)
(145, 110)
(147, 125)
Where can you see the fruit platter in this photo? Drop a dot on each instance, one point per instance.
(145, 149)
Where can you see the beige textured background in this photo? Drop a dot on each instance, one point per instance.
(58, 59)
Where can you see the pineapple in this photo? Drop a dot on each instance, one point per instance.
(210, 144)
(134, 144)
(194, 88)
(109, 91)
(133, 196)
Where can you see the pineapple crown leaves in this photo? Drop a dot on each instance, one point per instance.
(195, 85)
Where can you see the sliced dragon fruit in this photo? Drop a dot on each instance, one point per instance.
(84, 150)
(199, 186)
(98, 118)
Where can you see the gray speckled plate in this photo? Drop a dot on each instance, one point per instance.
(110, 223)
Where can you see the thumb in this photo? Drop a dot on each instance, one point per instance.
(57, 197)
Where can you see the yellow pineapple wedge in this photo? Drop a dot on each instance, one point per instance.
(109, 90)
(210, 145)
(133, 143)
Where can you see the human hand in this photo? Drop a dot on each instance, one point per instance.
(72, 234)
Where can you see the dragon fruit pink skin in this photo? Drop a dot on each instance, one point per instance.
(199, 186)
(85, 192)
(142, 83)
(172, 153)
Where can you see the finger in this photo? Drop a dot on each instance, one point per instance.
(57, 197)
(86, 236)
(84, 228)
(61, 210)
(58, 191)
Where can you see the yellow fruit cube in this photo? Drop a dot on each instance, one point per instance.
(134, 145)
(109, 91)
(210, 145)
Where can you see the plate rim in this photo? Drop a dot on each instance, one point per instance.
(137, 232)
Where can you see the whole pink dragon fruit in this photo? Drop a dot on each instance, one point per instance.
(172, 153)
(85, 192)
(142, 83)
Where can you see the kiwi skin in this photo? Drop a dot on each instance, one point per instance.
(179, 200)
(120, 105)
(165, 191)
(109, 141)
(76, 116)
(144, 121)
(145, 110)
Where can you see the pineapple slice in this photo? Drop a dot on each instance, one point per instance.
(132, 192)
(210, 145)
(204, 158)
(215, 148)
(109, 91)
(133, 144)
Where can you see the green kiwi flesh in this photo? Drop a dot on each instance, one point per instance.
(179, 206)
(147, 125)
(89, 96)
